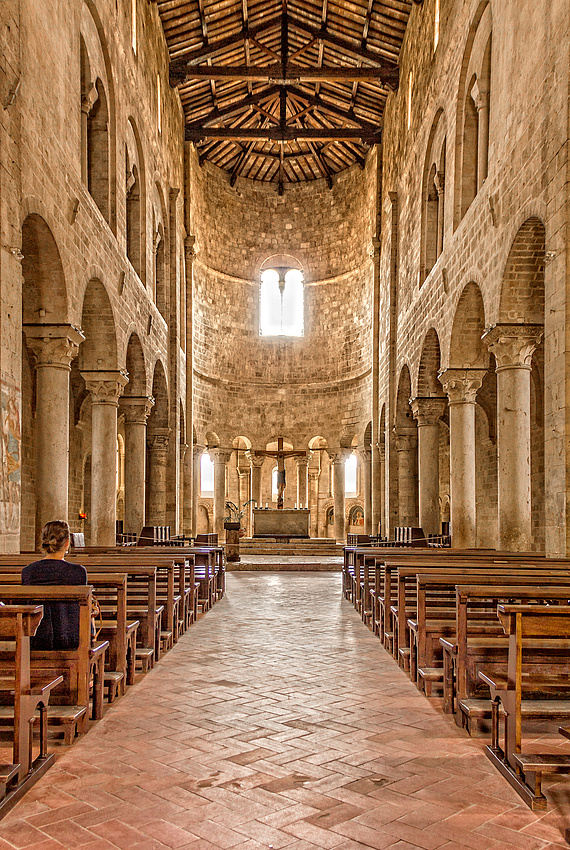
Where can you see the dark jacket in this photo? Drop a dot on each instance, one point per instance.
(59, 628)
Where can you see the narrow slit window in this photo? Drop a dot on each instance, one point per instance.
(281, 303)
(436, 26)
(350, 471)
(274, 485)
(206, 475)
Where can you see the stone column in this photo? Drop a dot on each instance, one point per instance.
(378, 495)
(513, 347)
(339, 459)
(244, 487)
(383, 522)
(427, 412)
(220, 458)
(302, 481)
(481, 99)
(366, 458)
(314, 475)
(105, 388)
(406, 440)
(54, 346)
(440, 189)
(157, 443)
(197, 452)
(182, 478)
(461, 386)
(255, 462)
(136, 411)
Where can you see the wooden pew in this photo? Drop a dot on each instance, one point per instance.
(22, 695)
(69, 701)
(528, 681)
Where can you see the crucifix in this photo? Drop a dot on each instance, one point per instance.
(280, 454)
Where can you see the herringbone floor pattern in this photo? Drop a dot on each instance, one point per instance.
(278, 721)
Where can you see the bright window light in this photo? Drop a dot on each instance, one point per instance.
(206, 474)
(410, 87)
(281, 307)
(134, 24)
(274, 487)
(159, 102)
(350, 467)
(436, 26)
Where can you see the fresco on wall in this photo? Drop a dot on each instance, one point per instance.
(11, 459)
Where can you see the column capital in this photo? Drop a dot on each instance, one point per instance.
(479, 95)
(157, 439)
(302, 460)
(406, 439)
(105, 387)
(54, 345)
(461, 385)
(183, 449)
(189, 248)
(136, 409)
(220, 455)
(339, 455)
(254, 459)
(439, 182)
(428, 409)
(89, 97)
(365, 454)
(513, 344)
(314, 474)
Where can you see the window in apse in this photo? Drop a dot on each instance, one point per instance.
(274, 486)
(281, 303)
(206, 475)
(350, 469)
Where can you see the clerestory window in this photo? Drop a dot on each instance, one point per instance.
(281, 302)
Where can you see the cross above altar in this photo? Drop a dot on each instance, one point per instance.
(280, 454)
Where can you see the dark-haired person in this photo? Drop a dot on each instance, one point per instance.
(59, 628)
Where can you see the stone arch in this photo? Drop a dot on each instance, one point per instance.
(433, 196)
(472, 134)
(430, 363)
(522, 289)
(135, 366)
(466, 347)
(160, 252)
(406, 439)
(44, 290)
(135, 189)
(98, 114)
(99, 351)
(159, 416)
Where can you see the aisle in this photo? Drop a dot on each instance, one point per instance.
(277, 721)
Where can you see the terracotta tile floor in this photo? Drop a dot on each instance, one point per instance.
(278, 721)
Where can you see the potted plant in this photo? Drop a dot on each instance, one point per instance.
(232, 522)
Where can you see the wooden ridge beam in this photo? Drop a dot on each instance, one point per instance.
(229, 111)
(287, 134)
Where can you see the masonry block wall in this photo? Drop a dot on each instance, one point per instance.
(63, 57)
(508, 239)
(264, 387)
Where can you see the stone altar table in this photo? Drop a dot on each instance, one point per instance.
(286, 522)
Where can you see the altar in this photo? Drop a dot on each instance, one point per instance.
(286, 522)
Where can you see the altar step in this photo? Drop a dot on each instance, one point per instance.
(286, 563)
(316, 547)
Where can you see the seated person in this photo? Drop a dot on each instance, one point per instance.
(59, 628)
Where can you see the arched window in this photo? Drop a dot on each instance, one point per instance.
(206, 475)
(350, 473)
(274, 485)
(433, 198)
(281, 302)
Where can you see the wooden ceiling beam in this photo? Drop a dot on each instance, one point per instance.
(295, 73)
(278, 134)
(229, 111)
(317, 100)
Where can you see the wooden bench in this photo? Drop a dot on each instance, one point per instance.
(525, 681)
(69, 701)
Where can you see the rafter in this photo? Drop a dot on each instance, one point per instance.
(235, 108)
(318, 101)
(390, 71)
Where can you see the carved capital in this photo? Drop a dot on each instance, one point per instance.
(302, 461)
(89, 98)
(513, 345)
(365, 454)
(254, 459)
(220, 455)
(183, 449)
(461, 385)
(105, 387)
(428, 410)
(314, 474)
(54, 345)
(136, 409)
(340, 455)
(157, 440)
(439, 182)
(189, 249)
(480, 96)
(406, 440)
